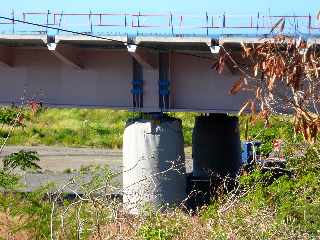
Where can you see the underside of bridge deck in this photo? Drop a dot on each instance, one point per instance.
(165, 73)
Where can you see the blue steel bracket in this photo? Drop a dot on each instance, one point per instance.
(164, 83)
(137, 83)
(137, 93)
(164, 86)
(164, 93)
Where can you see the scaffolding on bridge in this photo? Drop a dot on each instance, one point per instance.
(166, 23)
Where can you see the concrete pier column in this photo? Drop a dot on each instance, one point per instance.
(153, 163)
(216, 146)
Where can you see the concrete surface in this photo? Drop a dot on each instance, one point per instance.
(81, 71)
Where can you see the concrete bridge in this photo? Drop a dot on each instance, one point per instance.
(66, 63)
(143, 73)
(150, 74)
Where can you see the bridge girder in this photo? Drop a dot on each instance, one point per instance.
(147, 58)
(69, 55)
(6, 57)
(175, 71)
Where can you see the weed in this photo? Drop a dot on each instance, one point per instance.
(68, 170)
(272, 208)
(8, 181)
(22, 159)
(78, 127)
(159, 226)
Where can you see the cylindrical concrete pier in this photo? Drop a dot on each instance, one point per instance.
(153, 163)
(216, 146)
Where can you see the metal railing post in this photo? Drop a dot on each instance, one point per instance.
(309, 24)
(13, 22)
(90, 22)
(60, 22)
(171, 23)
(207, 23)
(48, 13)
(224, 20)
(138, 23)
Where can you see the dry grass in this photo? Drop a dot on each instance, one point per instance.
(123, 228)
(129, 227)
(8, 225)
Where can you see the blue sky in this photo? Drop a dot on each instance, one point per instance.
(198, 6)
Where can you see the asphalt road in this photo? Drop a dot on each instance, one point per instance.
(59, 164)
(60, 159)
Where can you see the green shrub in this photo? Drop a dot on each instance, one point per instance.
(8, 115)
(22, 159)
(38, 210)
(161, 226)
(3, 133)
(279, 128)
(8, 181)
(34, 209)
(269, 207)
(297, 198)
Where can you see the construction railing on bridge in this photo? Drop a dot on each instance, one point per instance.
(170, 23)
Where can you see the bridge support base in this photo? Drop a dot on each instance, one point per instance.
(216, 146)
(153, 163)
(216, 154)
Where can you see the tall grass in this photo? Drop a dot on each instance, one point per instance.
(103, 128)
(98, 128)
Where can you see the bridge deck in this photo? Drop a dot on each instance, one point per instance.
(142, 73)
